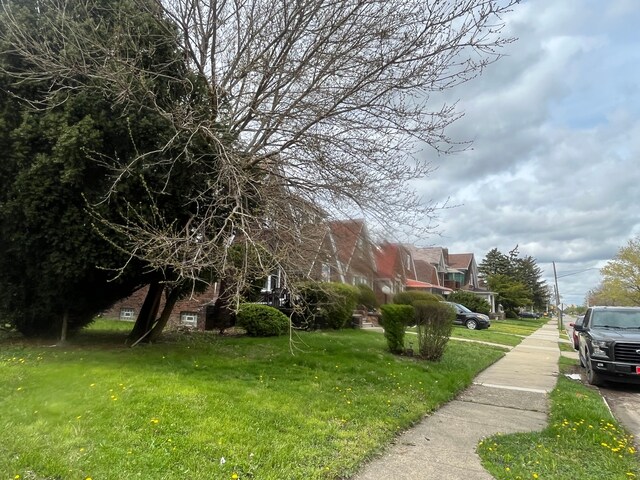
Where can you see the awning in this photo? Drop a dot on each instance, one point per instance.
(418, 284)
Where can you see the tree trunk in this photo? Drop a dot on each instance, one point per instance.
(148, 312)
(65, 328)
(170, 302)
(220, 317)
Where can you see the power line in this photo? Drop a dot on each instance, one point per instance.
(577, 272)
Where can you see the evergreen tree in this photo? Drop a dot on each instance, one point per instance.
(518, 281)
(494, 263)
(59, 265)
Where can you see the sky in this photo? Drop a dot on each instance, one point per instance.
(554, 165)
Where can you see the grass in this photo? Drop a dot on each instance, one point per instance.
(583, 440)
(203, 406)
(566, 347)
(503, 332)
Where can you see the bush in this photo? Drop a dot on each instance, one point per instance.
(366, 297)
(410, 296)
(262, 320)
(435, 322)
(395, 318)
(471, 301)
(325, 305)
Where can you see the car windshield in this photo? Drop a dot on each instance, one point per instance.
(463, 308)
(619, 319)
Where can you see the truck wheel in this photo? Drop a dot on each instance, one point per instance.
(592, 377)
(471, 324)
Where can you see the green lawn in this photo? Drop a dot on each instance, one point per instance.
(203, 406)
(582, 441)
(504, 332)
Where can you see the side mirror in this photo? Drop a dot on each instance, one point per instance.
(579, 328)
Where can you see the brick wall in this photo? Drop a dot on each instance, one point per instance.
(189, 311)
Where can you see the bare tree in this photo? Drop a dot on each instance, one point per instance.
(290, 108)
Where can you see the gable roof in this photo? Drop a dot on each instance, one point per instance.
(391, 261)
(346, 234)
(436, 256)
(386, 256)
(460, 260)
(426, 272)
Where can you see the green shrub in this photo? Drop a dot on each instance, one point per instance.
(435, 322)
(395, 318)
(366, 297)
(471, 301)
(261, 320)
(410, 296)
(325, 305)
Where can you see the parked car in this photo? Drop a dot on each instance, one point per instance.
(469, 319)
(574, 332)
(609, 344)
(529, 315)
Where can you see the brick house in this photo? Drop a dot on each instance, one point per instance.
(188, 312)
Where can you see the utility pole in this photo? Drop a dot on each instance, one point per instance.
(555, 277)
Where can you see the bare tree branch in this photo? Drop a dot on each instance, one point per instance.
(288, 109)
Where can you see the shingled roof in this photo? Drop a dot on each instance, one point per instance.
(460, 260)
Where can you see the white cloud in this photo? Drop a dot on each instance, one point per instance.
(555, 126)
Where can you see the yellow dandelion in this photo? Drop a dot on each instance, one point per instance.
(235, 475)
(535, 475)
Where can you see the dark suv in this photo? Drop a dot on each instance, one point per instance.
(469, 319)
(609, 344)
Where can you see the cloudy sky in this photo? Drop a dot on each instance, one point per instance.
(555, 162)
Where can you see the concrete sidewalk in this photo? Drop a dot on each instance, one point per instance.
(510, 396)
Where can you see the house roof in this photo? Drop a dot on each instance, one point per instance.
(346, 234)
(426, 272)
(434, 255)
(395, 260)
(460, 260)
(386, 256)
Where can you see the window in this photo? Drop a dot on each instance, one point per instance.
(272, 282)
(189, 319)
(357, 280)
(127, 314)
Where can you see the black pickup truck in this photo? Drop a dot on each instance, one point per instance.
(609, 344)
